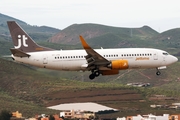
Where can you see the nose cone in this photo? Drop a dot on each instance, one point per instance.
(174, 59)
(171, 59)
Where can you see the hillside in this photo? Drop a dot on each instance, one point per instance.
(41, 33)
(89, 31)
(170, 38)
(24, 88)
(30, 90)
(125, 76)
(111, 37)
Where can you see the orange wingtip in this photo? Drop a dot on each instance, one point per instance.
(84, 44)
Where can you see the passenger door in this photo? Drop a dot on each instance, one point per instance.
(155, 56)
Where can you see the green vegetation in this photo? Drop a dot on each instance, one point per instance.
(30, 90)
(101, 32)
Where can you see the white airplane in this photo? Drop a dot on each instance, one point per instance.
(98, 61)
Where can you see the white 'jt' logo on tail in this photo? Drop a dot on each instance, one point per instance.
(22, 38)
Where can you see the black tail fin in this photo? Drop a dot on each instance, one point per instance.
(22, 41)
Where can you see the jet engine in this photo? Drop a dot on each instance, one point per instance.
(115, 66)
(119, 65)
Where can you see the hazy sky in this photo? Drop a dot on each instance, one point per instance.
(160, 15)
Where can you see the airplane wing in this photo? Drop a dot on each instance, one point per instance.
(93, 58)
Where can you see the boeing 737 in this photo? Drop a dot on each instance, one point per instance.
(98, 61)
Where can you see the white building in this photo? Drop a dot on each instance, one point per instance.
(138, 117)
(153, 117)
(123, 118)
(77, 114)
(148, 117)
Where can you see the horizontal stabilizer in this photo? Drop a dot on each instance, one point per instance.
(7, 56)
(19, 53)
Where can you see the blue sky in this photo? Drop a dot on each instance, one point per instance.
(161, 15)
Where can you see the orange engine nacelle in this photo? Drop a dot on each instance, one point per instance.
(119, 64)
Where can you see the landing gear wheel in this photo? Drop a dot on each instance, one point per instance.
(158, 73)
(92, 76)
(96, 73)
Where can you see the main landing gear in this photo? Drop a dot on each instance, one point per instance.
(158, 72)
(94, 74)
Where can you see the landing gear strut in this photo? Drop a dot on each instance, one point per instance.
(158, 72)
(94, 74)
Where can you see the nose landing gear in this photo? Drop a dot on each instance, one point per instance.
(158, 72)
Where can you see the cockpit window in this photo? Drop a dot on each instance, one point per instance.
(165, 53)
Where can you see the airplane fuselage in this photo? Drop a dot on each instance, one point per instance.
(74, 60)
(98, 61)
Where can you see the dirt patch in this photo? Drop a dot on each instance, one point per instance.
(93, 95)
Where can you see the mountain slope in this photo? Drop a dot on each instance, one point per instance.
(170, 38)
(30, 90)
(90, 31)
(36, 32)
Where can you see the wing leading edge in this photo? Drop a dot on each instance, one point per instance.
(98, 64)
(94, 59)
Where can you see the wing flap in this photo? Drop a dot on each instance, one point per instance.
(19, 53)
